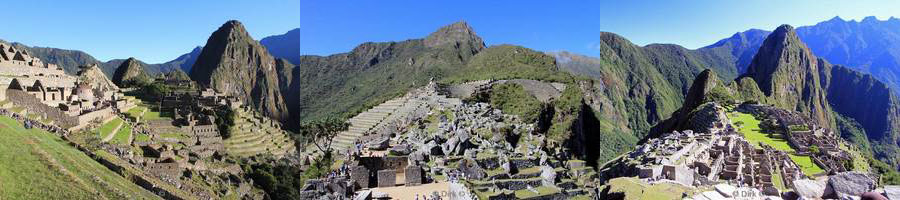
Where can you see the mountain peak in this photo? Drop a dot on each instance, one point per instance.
(836, 19)
(456, 33)
(870, 19)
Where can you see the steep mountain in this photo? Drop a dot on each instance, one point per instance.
(233, 63)
(635, 86)
(788, 75)
(130, 72)
(285, 46)
(871, 45)
(742, 46)
(787, 71)
(374, 72)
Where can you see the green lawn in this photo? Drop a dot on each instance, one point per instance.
(135, 112)
(541, 191)
(806, 165)
(635, 189)
(751, 131)
(108, 127)
(122, 135)
(140, 137)
(39, 165)
(776, 180)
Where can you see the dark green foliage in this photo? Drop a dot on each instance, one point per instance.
(323, 132)
(567, 109)
(224, 121)
(155, 90)
(720, 95)
(512, 99)
(889, 175)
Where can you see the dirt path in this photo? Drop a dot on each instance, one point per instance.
(409, 192)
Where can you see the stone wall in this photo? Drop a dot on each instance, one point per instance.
(414, 175)
(387, 178)
(34, 105)
(361, 176)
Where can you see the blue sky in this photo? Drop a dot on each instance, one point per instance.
(329, 27)
(152, 31)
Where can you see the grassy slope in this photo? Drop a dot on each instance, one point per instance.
(39, 165)
(108, 127)
(635, 189)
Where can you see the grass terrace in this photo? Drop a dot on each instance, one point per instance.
(122, 135)
(635, 189)
(40, 165)
(749, 127)
(109, 127)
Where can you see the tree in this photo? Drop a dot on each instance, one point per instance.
(814, 150)
(323, 132)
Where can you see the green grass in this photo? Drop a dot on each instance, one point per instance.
(541, 191)
(751, 131)
(152, 115)
(122, 135)
(135, 112)
(776, 180)
(108, 127)
(806, 165)
(40, 165)
(140, 137)
(635, 189)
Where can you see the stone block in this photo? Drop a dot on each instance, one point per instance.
(414, 175)
(361, 175)
(387, 178)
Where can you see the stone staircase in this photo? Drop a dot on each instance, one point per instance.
(366, 121)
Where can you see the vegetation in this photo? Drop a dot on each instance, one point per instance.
(323, 133)
(109, 127)
(512, 99)
(283, 181)
(122, 135)
(40, 165)
(225, 121)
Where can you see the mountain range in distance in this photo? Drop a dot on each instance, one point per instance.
(279, 45)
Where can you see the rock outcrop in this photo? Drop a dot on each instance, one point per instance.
(129, 73)
(96, 78)
(233, 63)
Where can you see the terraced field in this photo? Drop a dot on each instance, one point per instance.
(106, 129)
(40, 165)
(750, 129)
(249, 137)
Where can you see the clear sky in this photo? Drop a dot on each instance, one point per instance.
(153, 31)
(328, 27)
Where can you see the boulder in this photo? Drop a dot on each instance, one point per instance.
(851, 183)
(548, 176)
(381, 144)
(892, 192)
(809, 188)
(401, 150)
